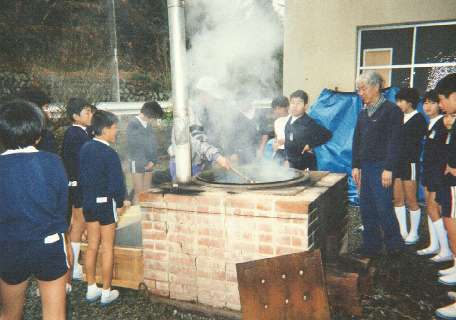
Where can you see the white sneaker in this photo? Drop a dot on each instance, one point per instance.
(448, 312)
(447, 271)
(77, 272)
(109, 297)
(411, 239)
(449, 280)
(93, 295)
(427, 251)
(442, 258)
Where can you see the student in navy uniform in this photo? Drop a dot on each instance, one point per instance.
(42, 100)
(446, 89)
(406, 176)
(89, 129)
(377, 144)
(103, 190)
(434, 162)
(79, 111)
(33, 194)
(302, 134)
(142, 146)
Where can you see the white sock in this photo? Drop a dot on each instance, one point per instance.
(76, 247)
(442, 237)
(105, 293)
(433, 236)
(92, 288)
(415, 217)
(402, 219)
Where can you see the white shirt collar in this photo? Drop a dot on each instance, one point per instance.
(78, 125)
(434, 120)
(293, 118)
(143, 123)
(408, 116)
(102, 141)
(28, 149)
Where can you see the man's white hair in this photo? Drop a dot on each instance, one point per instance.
(370, 78)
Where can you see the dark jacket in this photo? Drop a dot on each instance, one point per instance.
(47, 142)
(73, 140)
(414, 131)
(141, 143)
(435, 155)
(379, 138)
(303, 131)
(34, 196)
(101, 176)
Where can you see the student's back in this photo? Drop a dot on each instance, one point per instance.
(74, 138)
(33, 194)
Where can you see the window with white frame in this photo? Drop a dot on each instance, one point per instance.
(416, 55)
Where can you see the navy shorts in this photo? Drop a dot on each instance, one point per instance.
(75, 197)
(433, 181)
(105, 212)
(408, 172)
(138, 166)
(446, 197)
(45, 259)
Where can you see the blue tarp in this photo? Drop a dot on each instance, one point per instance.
(338, 111)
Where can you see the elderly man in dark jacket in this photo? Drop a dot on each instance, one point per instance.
(377, 143)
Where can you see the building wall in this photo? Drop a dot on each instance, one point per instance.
(321, 37)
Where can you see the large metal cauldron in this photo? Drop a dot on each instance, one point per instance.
(252, 177)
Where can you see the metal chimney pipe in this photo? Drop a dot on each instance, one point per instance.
(176, 18)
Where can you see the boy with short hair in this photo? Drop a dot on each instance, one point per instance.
(446, 89)
(280, 108)
(103, 190)
(79, 111)
(141, 146)
(33, 194)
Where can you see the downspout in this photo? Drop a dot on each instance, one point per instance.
(182, 150)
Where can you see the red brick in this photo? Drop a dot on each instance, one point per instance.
(241, 203)
(150, 197)
(212, 243)
(264, 237)
(156, 235)
(213, 201)
(265, 249)
(265, 205)
(157, 256)
(292, 206)
(265, 226)
(284, 240)
(296, 242)
(146, 225)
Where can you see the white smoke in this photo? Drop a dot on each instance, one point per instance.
(236, 43)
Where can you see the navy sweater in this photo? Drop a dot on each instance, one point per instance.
(101, 175)
(414, 131)
(47, 142)
(33, 196)
(379, 138)
(303, 131)
(141, 143)
(435, 155)
(451, 148)
(73, 140)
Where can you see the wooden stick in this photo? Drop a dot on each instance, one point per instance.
(243, 176)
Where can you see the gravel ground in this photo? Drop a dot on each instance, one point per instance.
(404, 288)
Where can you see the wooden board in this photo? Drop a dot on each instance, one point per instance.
(289, 287)
(128, 266)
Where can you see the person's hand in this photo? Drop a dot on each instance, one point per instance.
(306, 149)
(450, 170)
(223, 162)
(356, 174)
(126, 204)
(280, 142)
(149, 166)
(387, 178)
(448, 121)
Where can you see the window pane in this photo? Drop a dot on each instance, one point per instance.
(426, 78)
(436, 44)
(400, 40)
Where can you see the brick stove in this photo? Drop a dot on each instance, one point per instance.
(193, 240)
